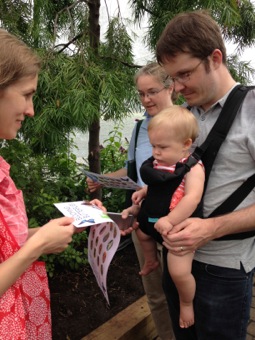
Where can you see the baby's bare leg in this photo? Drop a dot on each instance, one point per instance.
(180, 271)
(149, 248)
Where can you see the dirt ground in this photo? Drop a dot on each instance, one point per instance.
(77, 304)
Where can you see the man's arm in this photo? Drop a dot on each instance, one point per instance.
(195, 232)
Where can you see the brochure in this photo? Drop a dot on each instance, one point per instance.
(84, 213)
(104, 235)
(112, 182)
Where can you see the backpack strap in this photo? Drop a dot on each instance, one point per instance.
(209, 149)
(231, 203)
(138, 125)
(132, 166)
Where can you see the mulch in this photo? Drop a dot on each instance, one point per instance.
(77, 303)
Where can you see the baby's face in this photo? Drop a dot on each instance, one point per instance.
(167, 149)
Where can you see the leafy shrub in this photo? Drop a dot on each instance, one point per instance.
(113, 156)
(73, 257)
(44, 181)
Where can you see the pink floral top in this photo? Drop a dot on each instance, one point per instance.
(12, 205)
(25, 307)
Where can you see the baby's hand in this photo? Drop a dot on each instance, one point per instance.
(136, 197)
(163, 225)
(139, 195)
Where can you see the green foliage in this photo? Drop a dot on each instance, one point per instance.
(76, 85)
(74, 257)
(241, 71)
(118, 45)
(11, 18)
(76, 88)
(236, 19)
(44, 181)
(72, 92)
(113, 155)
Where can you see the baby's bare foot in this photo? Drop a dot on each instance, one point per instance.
(148, 268)
(186, 315)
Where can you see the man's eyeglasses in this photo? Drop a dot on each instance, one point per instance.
(184, 77)
(150, 94)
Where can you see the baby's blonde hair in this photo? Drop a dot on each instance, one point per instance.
(178, 121)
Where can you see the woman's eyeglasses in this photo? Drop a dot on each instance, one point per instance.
(150, 94)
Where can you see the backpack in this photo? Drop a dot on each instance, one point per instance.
(131, 167)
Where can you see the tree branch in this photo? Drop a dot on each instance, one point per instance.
(142, 7)
(69, 14)
(123, 62)
(68, 43)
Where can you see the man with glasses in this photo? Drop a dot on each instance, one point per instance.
(192, 52)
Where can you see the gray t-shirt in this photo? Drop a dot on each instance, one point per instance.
(234, 163)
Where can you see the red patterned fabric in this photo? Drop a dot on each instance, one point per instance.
(12, 204)
(25, 306)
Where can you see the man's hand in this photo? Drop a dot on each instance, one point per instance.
(189, 235)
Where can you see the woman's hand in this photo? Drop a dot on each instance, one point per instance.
(92, 186)
(54, 236)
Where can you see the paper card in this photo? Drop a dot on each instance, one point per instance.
(84, 213)
(112, 182)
